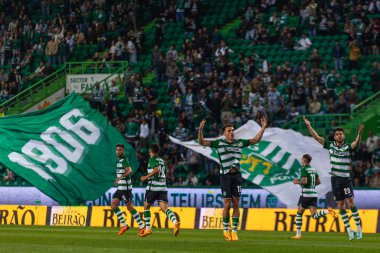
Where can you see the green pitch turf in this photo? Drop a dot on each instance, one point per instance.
(64, 239)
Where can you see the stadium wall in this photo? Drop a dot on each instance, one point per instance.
(259, 219)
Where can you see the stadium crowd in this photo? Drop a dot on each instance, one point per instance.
(36, 37)
(201, 78)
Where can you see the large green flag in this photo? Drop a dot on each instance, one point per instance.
(66, 150)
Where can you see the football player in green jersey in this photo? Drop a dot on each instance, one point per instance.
(340, 160)
(229, 151)
(124, 191)
(156, 190)
(309, 196)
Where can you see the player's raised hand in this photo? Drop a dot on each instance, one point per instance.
(264, 122)
(295, 181)
(360, 128)
(307, 122)
(202, 124)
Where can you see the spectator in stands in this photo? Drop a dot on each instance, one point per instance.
(119, 49)
(375, 77)
(192, 179)
(223, 50)
(374, 7)
(132, 131)
(214, 104)
(376, 42)
(180, 10)
(331, 81)
(172, 54)
(376, 152)
(114, 92)
(367, 42)
(144, 134)
(315, 63)
(38, 72)
(288, 42)
(63, 51)
(189, 101)
(216, 37)
(172, 73)
(2, 53)
(51, 50)
(341, 105)
(161, 69)
(303, 43)
(371, 141)
(372, 173)
(314, 106)
(354, 55)
(355, 83)
(293, 113)
(138, 95)
(132, 51)
(338, 54)
(181, 133)
(97, 97)
(3, 76)
(352, 98)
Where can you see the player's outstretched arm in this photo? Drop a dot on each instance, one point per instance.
(154, 172)
(201, 141)
(356, 142)
(259, 135)
(313, 132)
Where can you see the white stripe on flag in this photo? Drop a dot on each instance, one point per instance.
(269, 149)
(257, 180)
(278, 156)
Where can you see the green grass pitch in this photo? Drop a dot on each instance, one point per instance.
(89, 239)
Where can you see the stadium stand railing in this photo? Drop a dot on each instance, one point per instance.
(56, 81)
(365, 111)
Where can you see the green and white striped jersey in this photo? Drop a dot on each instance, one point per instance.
(157, 182)
(308, 190)
(124, 183)
(229, 153)
(340, 158)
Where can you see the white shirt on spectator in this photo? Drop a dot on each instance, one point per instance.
(131, 47)
(144, 130)
(371, 143)
(174, 54)
(303, 44)
(39, 69)
(373, 6)
(221, 51)
(265, 66)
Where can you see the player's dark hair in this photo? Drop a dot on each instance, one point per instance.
(225, 126)
(119, 145)
(154, 148)
(338, 129)
(307, 157)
